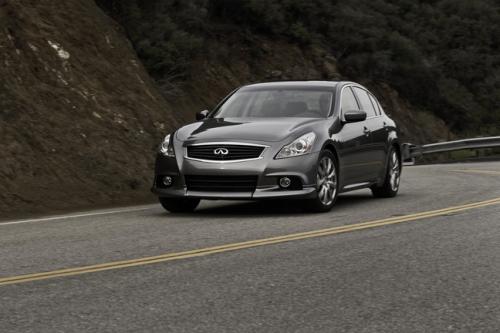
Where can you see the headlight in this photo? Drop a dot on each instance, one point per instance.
(167, 148)
(300, 146)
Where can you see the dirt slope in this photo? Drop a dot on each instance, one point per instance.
(79, 116)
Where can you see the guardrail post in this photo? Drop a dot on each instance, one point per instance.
(407, 153)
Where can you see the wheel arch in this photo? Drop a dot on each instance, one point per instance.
(330, 146)
(394, 142)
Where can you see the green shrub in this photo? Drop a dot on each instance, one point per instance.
(442, 55)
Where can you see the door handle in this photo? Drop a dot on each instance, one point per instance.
(366, 131)
(386, 126)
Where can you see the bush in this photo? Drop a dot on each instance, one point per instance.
(441, 55)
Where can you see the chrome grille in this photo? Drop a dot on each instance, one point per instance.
(224, 152)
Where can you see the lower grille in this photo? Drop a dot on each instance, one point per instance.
(221, 183)
(224, 152)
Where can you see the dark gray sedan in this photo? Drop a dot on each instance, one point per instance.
(303, 140)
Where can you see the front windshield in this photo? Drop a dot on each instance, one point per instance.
(274, 103)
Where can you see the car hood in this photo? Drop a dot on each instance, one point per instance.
(262, 129)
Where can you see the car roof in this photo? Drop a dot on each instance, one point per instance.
(293, 84)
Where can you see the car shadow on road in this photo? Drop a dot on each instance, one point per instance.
(281, 208)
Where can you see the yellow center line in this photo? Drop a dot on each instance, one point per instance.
(485, 172)
(242, 245)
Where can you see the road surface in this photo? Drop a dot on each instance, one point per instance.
(425, 261)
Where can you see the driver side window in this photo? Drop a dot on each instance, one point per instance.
(348, 102)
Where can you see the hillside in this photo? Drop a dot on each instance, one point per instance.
(440, 56)
(88, 90)
(79, 116)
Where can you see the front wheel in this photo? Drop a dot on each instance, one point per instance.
(327, 183)
(175, 205)
(390, 186)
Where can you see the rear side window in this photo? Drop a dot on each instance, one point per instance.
(348, 100)
(380, 109)
(364, 100)
(376, 104)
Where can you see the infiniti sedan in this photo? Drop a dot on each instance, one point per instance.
(296, 140)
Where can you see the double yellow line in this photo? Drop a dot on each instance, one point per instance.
(242, 245)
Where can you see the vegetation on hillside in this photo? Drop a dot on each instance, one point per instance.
(441, 55)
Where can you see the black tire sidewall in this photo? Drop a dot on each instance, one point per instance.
(176, 205)
(385, 190)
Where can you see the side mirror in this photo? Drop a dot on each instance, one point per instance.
(201, 115)
(354, 116)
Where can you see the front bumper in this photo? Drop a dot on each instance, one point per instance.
(267, 169)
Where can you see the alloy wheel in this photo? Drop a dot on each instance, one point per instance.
(394, 172)
(327, 181)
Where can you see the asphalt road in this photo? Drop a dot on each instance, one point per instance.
(375, 265)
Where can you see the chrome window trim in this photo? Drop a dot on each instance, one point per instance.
(375, 104)
(341, 113)
(228, 143)
(359, 102)
(355, 85)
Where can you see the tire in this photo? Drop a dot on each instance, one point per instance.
(327, 183)
(179, 205)
(390, 187)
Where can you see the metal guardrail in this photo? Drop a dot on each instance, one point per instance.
(411, 151)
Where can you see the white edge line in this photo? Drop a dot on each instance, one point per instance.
(62, 217)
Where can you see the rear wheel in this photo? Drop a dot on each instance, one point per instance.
(327, 183)
(175, 205)
(390, 186)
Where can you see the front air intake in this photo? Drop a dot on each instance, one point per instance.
(221, 183)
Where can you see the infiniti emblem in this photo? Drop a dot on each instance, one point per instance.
(221, 151)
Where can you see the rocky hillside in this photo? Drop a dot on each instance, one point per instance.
(79, 116)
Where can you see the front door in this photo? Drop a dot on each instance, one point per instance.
(355, 146)
(356, 153)
(375, 154)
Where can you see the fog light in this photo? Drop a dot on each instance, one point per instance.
(285, 182)
(167, 181)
